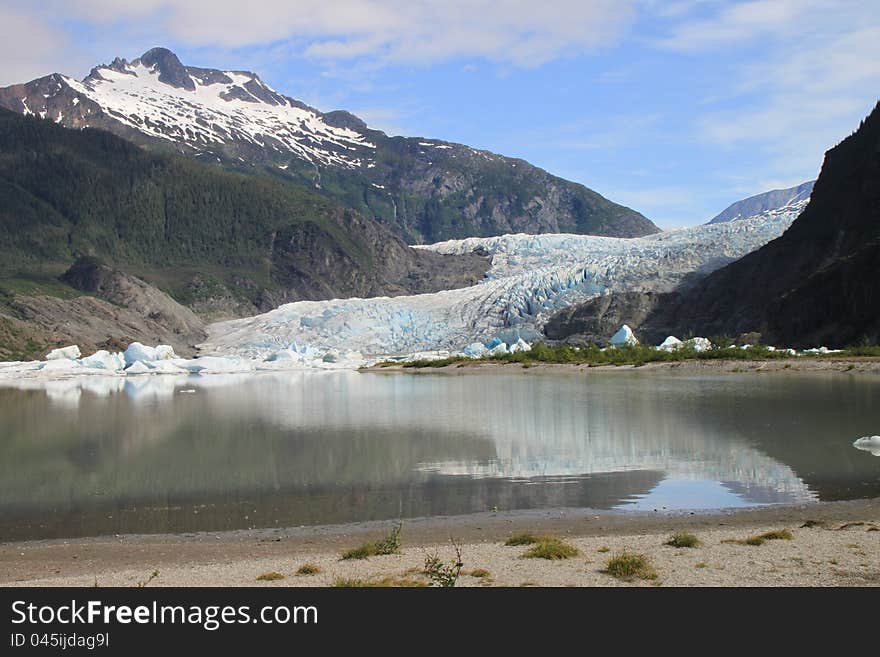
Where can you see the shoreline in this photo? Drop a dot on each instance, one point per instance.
(847, 364)
(827, 552)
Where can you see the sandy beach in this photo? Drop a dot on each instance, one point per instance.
(831, 544)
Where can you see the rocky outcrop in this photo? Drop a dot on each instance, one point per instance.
(596, 320)
(98, 280)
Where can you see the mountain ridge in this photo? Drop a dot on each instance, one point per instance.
(771, 200)
(424, 190)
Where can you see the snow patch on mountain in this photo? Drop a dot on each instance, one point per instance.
(219, 108)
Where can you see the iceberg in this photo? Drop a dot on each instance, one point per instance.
(623, 337)
(498, 349)
(475, 350)
(520, 345)
(869, 444)
(671, 343)
(698, 344)
(72, 353)
(140, 352)
(104, 360)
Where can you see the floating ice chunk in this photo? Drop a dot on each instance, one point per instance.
(72, 352)
(698, 344)
(164, 352)
(623, 337)
(475, 350)
(137, 351)
(104, 360)
(790, 352)
(520, 345)
(138, 367)
(494, 342)
(671, 343)
(869, 444)
(500, 348)
(331, 356)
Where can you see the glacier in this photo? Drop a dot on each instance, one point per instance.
(531, 277)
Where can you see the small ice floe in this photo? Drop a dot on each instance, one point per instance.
(104, 360)
(69, 353)
(186, 391)
(141, 352)
(500, 348)
(869, 444)
(520, 345)
(698, 344)
(623, 337)
(822, 350)
(670, 344)
(475, 350)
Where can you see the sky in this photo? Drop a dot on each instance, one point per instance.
(675, 108)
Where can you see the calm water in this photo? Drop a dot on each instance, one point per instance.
(163, 454)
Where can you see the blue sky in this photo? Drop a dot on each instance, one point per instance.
(674, 108)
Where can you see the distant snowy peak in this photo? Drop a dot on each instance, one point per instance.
(792, 198)
(204, 109)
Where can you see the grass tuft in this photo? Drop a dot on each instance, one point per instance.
(760, 539)
(308, 569)
(683, 540)
(552, 549)
(629, 566)
(388, 545)
(384, 582)
(270, 577)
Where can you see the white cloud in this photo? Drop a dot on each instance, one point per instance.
(519, 32)
(29, 46)
(801, 73)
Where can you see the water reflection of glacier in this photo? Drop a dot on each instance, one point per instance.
(533, 428)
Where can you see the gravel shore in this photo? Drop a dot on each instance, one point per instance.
(831, 544)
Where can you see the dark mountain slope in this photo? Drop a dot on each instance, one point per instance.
(424, 190)
(218, 241)
(816, 284)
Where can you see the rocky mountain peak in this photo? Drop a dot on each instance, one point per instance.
(171, 71)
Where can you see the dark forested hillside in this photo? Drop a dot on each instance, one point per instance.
(423, 190)
(195, 230)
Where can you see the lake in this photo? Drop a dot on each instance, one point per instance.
(102, 455)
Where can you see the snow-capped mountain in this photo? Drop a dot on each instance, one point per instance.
(531, 277)
(198, 109)
(424, 189)
(782, 200)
